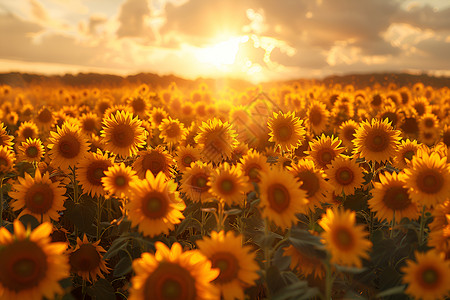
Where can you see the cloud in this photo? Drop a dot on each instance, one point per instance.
(425, 17)
(132, 18)
(38, 11)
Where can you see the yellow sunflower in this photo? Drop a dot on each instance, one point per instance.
(346, 133)
(376, 141)
(445, 135)
(185, 155)
(428, 122)
(317, 115)
(237, 265)
(172, 131)
(229, 184)
(139, 105)
(404, 153)
(155, 160)
(7, 159)
(252, 164)
(345, 240)
(324, 150)
(31, 150)
(393, 115)
(45, 118)
(286, 130)
(118, 178)
(281, 197)
(90, 123)
(123, 134)
(194, 182)
(216, 140)
(390, 196)
(440, 212)
(312, 182)
(155, 206)
(67, 146)
(5, 138)
(38, 196)
(30, 265)
(157, 115)
(345, 175)
(27, 129)
(304, 263)
(428, 179)
(91, 171)
(87, 261)
(173, 274)
(428, 278)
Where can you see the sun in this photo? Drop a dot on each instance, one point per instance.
(223, 53)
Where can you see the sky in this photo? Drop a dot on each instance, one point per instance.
(257, 40)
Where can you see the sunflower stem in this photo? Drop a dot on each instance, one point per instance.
(266, 253)
(99, 215)
(328, 279)
(422, 226)
(391, 235)
(1, 201)
(75, 185)
(220, 212)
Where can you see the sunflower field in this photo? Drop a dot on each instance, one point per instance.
(299, 191)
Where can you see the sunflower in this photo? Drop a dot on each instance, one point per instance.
(27, 129)
(229, 184)
(391, 196)
(324, 150)
(154, 205)
(67, 146)
(286, 130)
(173, 274)
(428, 277)
(376, 141)
(185, 155)
(172, 131)
(38, 196)
(122, 134)
(216, 140)
(440, 213)
(428, 179)
(428, 122)
(194, 182)
(421, 106)
(281, 197)
(7, 159)
(89, 123)
(445, 135)
(343, 238)
(346, 133)
(312, 182)
(429, 137)
(252, 164)
(404, 153)
(157, 115)
(304, 262)
(345, 175)
(30, 265)
(91, 171)
(118, 178)
(139, 105)
(5, 138)
(237, 265)
(86, 260)
(31, 150)
(45, 118)
(155, 160)
(317, 115)
(394, 116)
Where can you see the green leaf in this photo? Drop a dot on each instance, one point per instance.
(29, 220)
(350, 270)
(82, 214)
(275, 281)
(392, 291)
(232, 212)
(123, 267)
(119, 244)
(101, 290)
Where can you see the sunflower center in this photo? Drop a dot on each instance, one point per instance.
(154, 161)
(69, 146)
(284, 132)
(39, 198)
(310, 182)
(28, 133)
(3, 161)
(89, 124)
(32, 151)
(155, 205)
(396, 198)
(409, 154)
(429, 123)
(226, 186)
(120, 180)
(344, 176)
(96, 170)
(315, 117)
(391, 116)
(430, 276)
(430, 182)
(170, 281)
(377, 141)
(85, 259)
(278, 197)
(45, 116)
(23, 265)
(326, 157)
(253, 172)
(343, 238)
(228, 265)
(349, 133)
(122, 135)
(138, 105)
(173, 130)
(187, 159)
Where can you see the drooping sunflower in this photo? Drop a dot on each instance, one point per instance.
(216, 140)
(31, 150)
(404, 153)
(390, 196)
(172, 131)
(281, 197)
(428, 278)
(312, 182)
(345, 175)
(237, 265)
(428, 179)
(229, 184)
(5, 138)
(324, 150)
(27, 129)
(173, 274)
(376, 140)
(194, 182)
(155, 206)
(30, 265)
(304, 263)
(252, 164)
(117, 179)
(317, 115)
(155, 160)
(346, 133)
(38, 196)
(286, 130)
(86, 260)
(67, 146)
(123, 134)
(91, 171)
(185, 155)
(345, 240)
(7, 159)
